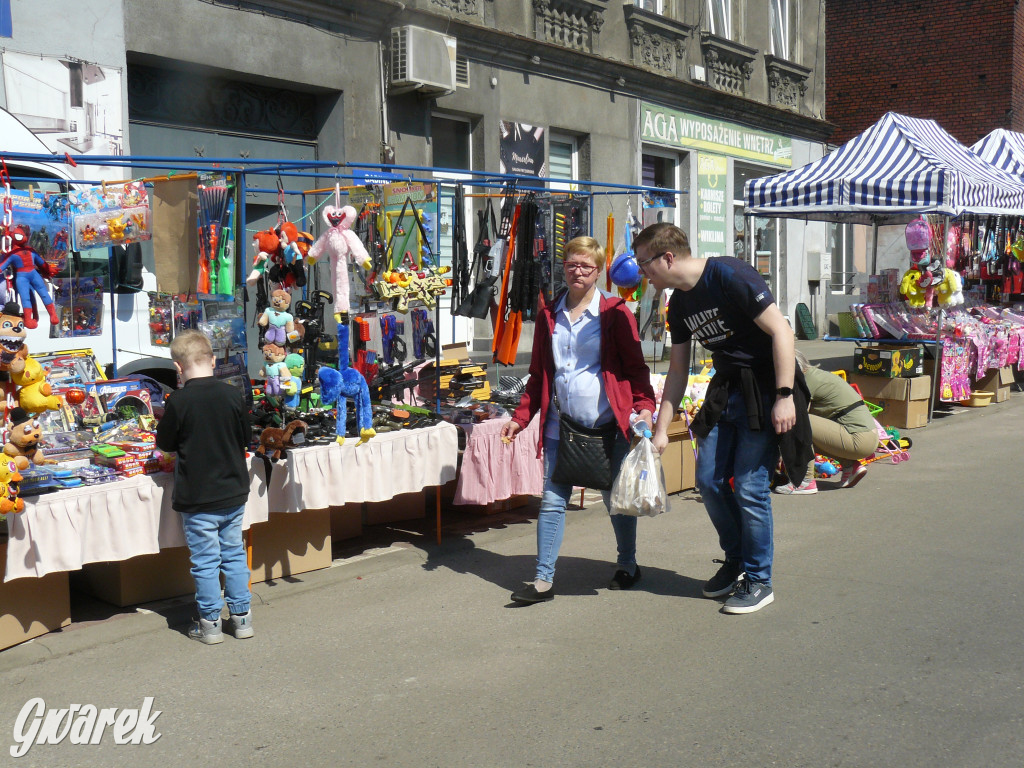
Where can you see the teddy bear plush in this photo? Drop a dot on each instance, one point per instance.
(12, 337)
(277, 320)
(342, 245)
(23, 440)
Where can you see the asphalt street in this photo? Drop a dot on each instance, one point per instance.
(894, 640)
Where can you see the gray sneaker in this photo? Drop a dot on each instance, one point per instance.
(749, 596)
(208, 632)
(241, 625)
(723, 582)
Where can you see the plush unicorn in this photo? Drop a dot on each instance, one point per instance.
(341, 244)
(336, 386)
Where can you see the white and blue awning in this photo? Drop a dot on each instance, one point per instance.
(897, 169)
(1003, 149)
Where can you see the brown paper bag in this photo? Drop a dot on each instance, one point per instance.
(175, 235)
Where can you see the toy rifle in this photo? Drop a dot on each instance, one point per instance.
(501, 326)
(390, 382)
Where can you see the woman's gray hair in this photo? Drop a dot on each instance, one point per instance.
(802, 361)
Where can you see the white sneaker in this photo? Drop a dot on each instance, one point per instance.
(241, 625)
(805, 488)
(207, 632)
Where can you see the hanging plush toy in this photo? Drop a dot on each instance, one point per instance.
(12, 337)
(275, 372)
(277, 320)
(288, 269)
(951, 289)
(266, 244)
(25, 260)
(336, 386)
(342, 245)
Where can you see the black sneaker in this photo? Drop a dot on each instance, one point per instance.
(623, 579)
(529, 595)
(723, 582)
(749, 596)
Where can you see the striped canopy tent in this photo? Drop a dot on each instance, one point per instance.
(1003, 149)
(896, 170)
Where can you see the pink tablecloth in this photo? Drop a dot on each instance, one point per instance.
(492, 470)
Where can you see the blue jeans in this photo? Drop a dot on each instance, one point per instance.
(215, 546)
(551, 519)
(742, 517)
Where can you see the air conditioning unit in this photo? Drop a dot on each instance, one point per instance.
(697, 73)
(422, 60)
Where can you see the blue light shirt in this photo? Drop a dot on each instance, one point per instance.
(576, 348)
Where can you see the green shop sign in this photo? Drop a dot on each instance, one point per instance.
(673, 128)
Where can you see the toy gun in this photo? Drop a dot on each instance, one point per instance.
(222, 267)
(390, 382)
(495, 264)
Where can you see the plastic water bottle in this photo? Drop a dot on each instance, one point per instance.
(640, 429)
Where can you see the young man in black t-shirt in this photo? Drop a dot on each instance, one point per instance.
(205, 424)
(726, 305)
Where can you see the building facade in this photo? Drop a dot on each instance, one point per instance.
(696, 96)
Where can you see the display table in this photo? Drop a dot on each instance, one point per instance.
(493, 471)
(63, 531)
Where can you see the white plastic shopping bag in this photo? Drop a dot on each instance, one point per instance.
(639, 490)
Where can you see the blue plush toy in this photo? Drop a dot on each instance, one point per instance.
(336, 386)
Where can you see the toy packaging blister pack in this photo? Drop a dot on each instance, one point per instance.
(79, 303)
(104, 215)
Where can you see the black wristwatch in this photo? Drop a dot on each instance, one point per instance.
(784, 391)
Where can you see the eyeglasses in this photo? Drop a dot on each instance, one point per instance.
(584, 270)
(649, 259)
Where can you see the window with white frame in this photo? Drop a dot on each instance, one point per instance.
(562, 159)
(720, 17)
(779, 23)
(654, 6)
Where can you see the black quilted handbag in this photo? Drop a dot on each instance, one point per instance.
(585, 454)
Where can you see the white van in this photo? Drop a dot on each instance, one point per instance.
(123, 345)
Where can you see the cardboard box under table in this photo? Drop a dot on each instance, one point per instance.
(904, 401)
(678, 461)
(31, 606)
(888, 361)
(291, 543)
(997, 381)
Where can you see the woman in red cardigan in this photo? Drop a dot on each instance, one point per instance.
(587, 351)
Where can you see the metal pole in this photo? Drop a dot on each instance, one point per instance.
(874, 247)
(113, 314)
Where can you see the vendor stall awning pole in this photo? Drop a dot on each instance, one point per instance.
(874, 247)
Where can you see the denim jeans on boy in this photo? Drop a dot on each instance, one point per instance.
(215, 545)
(551, 519)
(742, 517)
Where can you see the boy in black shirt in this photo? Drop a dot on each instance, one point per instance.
(205, 424)
(726, 305)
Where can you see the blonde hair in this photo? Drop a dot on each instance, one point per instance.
(587, 246)
(663, 238)
(191, 348)
(802, 361)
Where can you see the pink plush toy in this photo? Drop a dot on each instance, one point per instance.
(340, 243)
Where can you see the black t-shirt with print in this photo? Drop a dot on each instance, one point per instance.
(719, 312)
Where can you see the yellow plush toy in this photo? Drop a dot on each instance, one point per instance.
(911, 289)
(35, 394)
(10, 503)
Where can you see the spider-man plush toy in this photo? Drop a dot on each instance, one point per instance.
(25, 260)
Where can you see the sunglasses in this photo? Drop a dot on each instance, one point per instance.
(579, 268)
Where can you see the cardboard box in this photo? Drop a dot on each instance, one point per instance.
(140, 579)
(678, 460)
(889, 361)
(404, 506)
(291, 543)
(31, 607)
(996, 381)
(904, 401)
(346, 521)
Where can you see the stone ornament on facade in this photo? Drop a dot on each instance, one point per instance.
(465, 7)
(574, 24)
(729, 64)
(657, 42)
(787, 82)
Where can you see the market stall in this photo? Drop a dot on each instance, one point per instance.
(896, 172)
(332, 338)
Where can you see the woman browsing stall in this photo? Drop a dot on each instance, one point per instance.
(587, 366)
